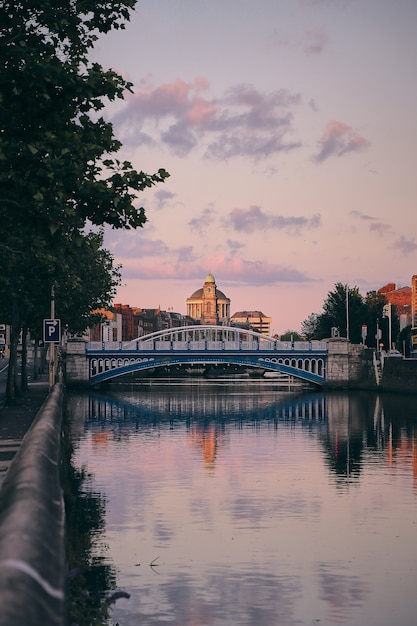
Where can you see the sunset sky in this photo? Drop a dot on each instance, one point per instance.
(289, 130)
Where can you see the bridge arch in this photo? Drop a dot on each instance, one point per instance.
(207, 345)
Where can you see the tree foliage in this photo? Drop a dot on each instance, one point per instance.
(346, 312)
(59, 168)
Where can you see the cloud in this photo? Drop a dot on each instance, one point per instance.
(312, 104)
(256, 273)
(231, 269)
(311, 41)
(363, 216)
(202, 223)
(315, 41)
(379, 228)
(243, 122)
(186, 254)
(375, 223)
(339, 139)
(253, 218)
(162, 196)
(134, 245)
(406, 246)
(234, 246)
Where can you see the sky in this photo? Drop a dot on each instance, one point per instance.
(289, 131)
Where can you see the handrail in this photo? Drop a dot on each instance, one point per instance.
(205, 346)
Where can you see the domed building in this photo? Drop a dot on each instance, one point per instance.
(209, 305)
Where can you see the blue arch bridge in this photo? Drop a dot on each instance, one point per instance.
(192, 346)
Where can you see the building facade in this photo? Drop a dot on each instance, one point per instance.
(414, 300)
(209, 305)
(255, 319)
(402, 298)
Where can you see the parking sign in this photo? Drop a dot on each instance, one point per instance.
(51, 331)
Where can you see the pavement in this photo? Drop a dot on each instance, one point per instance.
(16, 420)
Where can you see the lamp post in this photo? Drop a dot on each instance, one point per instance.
(347, 312)
(386, 312)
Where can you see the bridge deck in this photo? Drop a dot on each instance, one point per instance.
(208, 345)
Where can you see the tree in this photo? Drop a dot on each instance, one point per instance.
(375, 303)
(291, 335)
(343, 310)
(309, 327)
(59, 171)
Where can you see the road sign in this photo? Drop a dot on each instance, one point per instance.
(51, 331)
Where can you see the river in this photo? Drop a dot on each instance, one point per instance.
(248, 503)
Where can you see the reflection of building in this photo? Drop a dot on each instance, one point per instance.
(209, 305)
(256, 319)
(207, 440)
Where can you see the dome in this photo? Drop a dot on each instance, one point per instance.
(209, 278)
(197, 294)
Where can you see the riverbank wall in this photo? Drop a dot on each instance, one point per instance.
(356, 367)
(32, 525)
(399, 375)
(350, 366)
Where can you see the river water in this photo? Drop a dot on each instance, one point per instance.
(247, 503)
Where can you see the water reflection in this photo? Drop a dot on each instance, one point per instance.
(241, 503)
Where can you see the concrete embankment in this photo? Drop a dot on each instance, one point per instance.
(32, 525)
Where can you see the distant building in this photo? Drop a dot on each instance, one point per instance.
(414, 300)
(209, 305)
(110, 327)
(401, 298)
(124, 323)
(256, 319)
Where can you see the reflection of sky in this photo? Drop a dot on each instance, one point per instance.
(262, 534)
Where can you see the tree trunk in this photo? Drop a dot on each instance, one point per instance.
(12, 370)
(24, 377)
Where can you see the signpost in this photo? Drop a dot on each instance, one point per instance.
(52, 335)
(52, 331)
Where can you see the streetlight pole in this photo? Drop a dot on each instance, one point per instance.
(52, 345)
(347, 312)
(387, 313)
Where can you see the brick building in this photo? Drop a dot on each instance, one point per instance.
(401, 298)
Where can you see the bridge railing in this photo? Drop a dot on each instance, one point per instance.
(152, 345)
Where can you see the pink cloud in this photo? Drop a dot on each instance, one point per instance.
(338, 139)
(232, 269)
(244, 122)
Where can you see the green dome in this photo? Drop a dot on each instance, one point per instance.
(209, 278)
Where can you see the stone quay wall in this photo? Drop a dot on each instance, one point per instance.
(349, 366)
(76, 364)
(32, 525)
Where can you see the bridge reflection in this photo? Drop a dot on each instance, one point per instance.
(205, 403)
